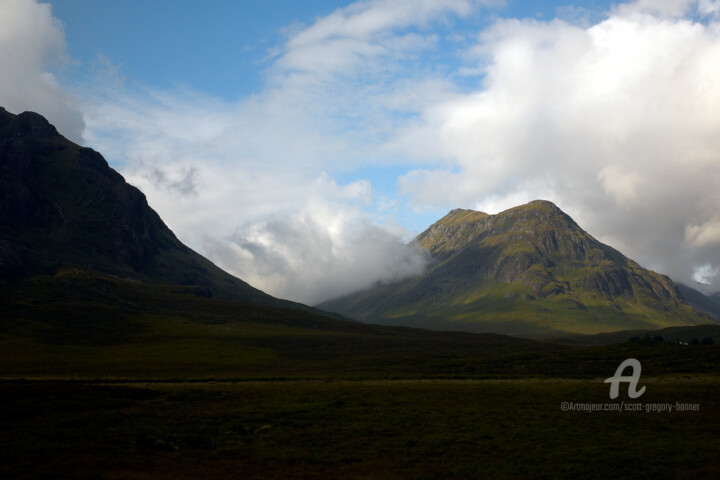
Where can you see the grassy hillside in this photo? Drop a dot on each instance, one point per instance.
(80, 325)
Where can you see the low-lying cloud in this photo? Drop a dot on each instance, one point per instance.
(299, 258)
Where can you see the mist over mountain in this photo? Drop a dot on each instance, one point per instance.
(527, 270)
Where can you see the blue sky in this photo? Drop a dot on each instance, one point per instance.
(220, 47)
(300, 145)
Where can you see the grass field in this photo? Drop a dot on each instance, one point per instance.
(422, 429)
(105, 379)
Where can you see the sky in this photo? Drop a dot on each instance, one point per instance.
(301, 145)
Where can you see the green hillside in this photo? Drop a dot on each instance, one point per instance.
(82, 325)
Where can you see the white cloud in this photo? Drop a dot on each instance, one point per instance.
(706, 274)
(667, 8)
(317, 255)
(362, 31)
(704, 235)
(709, 7)
(32, 42)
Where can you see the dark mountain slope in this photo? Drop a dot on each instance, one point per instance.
(530, 270)
(702, 302)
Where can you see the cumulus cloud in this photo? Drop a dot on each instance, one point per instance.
(32, 43)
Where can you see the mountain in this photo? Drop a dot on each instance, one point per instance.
(62, 206)
(530, 270)
(715, 297)
(705, 303)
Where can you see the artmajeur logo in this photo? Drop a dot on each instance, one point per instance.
(632, 380)
(633, 392)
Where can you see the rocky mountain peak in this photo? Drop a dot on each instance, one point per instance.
(25, 124)
(460, 228)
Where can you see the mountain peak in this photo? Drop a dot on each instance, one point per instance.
(25, 124)
(541, 202)
(536, 207)
(460, 227)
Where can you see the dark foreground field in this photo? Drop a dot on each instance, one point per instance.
(102, 378)
(356, 429)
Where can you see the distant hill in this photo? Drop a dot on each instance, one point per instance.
(684, 335)
(62, 206)
(710, 305)
(530, 270)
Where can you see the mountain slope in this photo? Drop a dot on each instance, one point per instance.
(61, 205)
(530, 270)
(704, 303)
